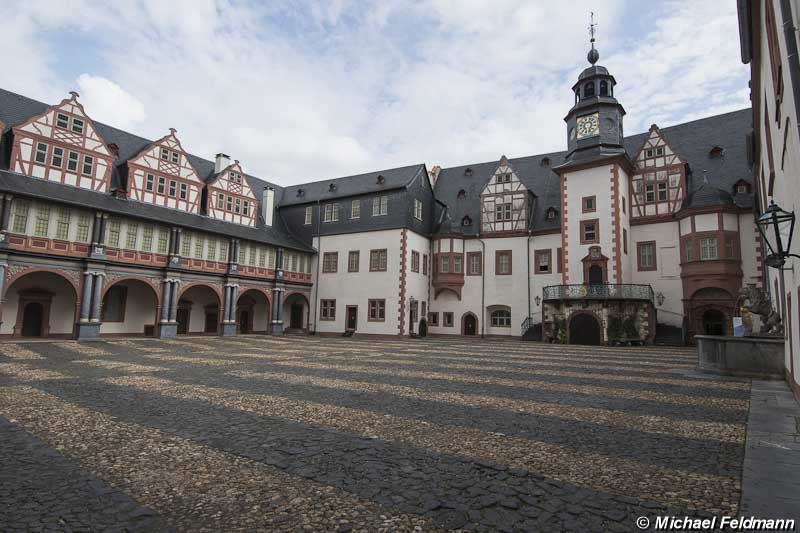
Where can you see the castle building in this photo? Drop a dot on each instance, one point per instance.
(769, 44)
(618, 238)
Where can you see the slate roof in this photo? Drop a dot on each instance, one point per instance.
(16, 109)
(394, 178)
(693, 141)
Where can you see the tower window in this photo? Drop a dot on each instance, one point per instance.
(588, 89)
(462, 194)
(466, 221)
(603, 88)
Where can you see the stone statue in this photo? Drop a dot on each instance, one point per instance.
(757, 302)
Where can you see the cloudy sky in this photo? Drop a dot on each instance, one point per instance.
(303, 90)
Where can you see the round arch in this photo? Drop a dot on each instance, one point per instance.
(296, 307)
(184, 287)
(253, 308)
(199, 309)
(12, 277)
(39, 302)
(584, 327)
(130, 307)
(441, 290)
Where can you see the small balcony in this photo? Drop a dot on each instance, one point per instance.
(600, 291)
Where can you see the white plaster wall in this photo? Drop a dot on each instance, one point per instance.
(200, 297)
(356, 288)
(627, 260)
(62, 308)
(589, 182)
(747, 247)
(707, 222)
(416, 282)
(666, 279)
(140, 309)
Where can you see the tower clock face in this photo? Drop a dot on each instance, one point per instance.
(588, 126)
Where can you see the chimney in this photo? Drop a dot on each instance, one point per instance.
(268, 205)
(433, 174)
(223, 162)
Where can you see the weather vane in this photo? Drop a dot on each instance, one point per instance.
(591, 27)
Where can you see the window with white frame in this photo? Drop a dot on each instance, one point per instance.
(708, 248)
(501, 318)
(417, 209)
(355, 209)
(41, 153)
(380, 205)
(309, 215)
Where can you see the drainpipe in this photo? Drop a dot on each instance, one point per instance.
(319, 260)
(529, 275)
(483, 284)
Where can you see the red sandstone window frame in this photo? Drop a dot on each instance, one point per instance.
(589, 204)
(351, 255)
(497, 258)
(639, 265)
(433, 318)
(330, 262)
(378, 260)
(376, 310)
(470, 257)
(537, 254)
(414, 261)
(327, 309)
(583, 225)
(447, 320)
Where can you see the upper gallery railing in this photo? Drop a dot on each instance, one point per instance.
(600, 291)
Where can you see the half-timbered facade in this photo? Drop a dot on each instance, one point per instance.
(615, 239)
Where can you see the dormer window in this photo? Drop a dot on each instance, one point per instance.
(466, 221)
(551, 214)
(545, 162)
(603, 88)
(462, 194)
(588, 89)
(504, 178)
(742, 187)
(468, 172)
(715, 152)
(301, 192)
(332, 187)
(380, 180)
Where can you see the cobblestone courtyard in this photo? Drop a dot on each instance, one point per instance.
(262, 433)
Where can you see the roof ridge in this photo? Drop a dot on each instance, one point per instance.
(306, 183)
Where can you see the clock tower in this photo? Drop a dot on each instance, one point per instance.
(594, 124)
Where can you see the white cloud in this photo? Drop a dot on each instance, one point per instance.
(109, 102)
(300, 91)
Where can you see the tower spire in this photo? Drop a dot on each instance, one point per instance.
(593, 54)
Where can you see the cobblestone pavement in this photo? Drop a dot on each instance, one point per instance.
(330, 434)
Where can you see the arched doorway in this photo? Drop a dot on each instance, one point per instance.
(295, 312)
(33, 319)
(469, 325)
(595, 275)
(714, 322)
(130, 307)
(198, 311)
(252, 312)
(39, 304)
(584, 329)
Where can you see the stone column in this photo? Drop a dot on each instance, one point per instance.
(173, 304)
(229, 313)
(167, 329)
(165, 301)
(86, 298)
(96, 298)
(6, 212)
(277, 311)
(177, 241)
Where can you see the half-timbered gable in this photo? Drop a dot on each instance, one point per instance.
(162, 175)
(230, 197)
(62, 145)
(504, 201)
(658, 186)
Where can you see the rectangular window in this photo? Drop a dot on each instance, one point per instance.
(294, 263)
(271, 258)
(425, 264)
(164, 154)
(161, 182)
(327, 310)
(42, 220)
(662, 192)
(457, 264)
(377, 310)
(688, 250)
(559, 260)
(501, 319)
(245, 208)
(473, 263)
(88, 165)
(131, 236)
(623, 205)
(444, 264)
(147, 238)
(447, 320)
(355, 209)
(237, 207)
(223, 251)
(646, 252)
(211, 249)
(589, 204)
(417, 209)
(229, 203)
(243, 255)
(72, 161)
(729, 252)
(112, 237)
(220, 201)
(41, 153)
(163, 240)
(184, 191)
(625, 241)
(708, 248)
(649, 193)
(58, 157)
(62, 224)
(502, 212)
(62, 121)
(589, 231)
(352, 261)
(377, 260)
(543, 260)
(433, 318)
(173, 188)
(503, 262)
(414, 261)
(331, 213)
(77, 125)
(174, 157)
(150, 183)
(330, 261)
(21, 208)
(186, 244)
(309, 215)
(82, 234)
(199, 244)
(380, 205)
